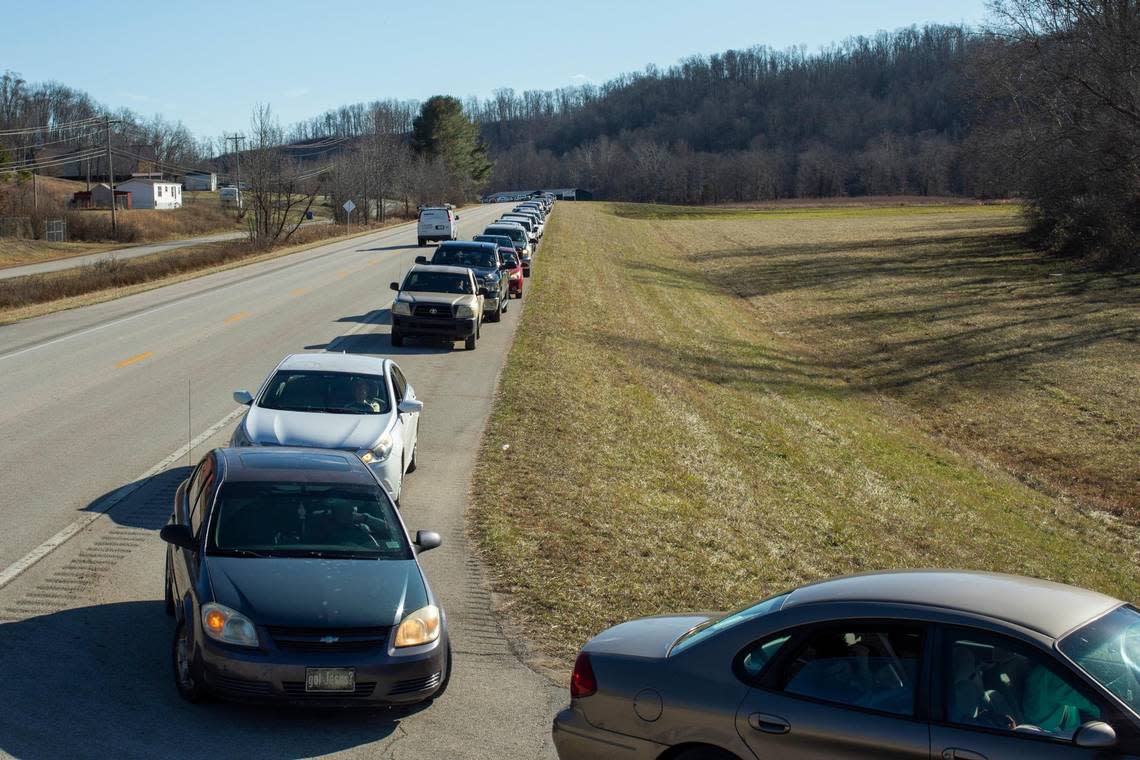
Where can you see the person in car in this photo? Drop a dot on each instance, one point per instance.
(362, 398)
(343, 525)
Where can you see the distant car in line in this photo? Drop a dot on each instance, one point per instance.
(912, 664)
(483, 259)
(534, 216)
(514, 270)
(292, 580)
(517, 234)
(438, 302)
(350, 402)
(436, 223)
(527, 223)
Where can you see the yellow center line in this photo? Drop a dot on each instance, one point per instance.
(133, 359)
(299, 292)
(237, 317)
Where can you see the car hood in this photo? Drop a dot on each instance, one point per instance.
(317, 593)
(645, 637)
(452, 299)
(274, 427)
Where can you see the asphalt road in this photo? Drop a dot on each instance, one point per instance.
(97, 406)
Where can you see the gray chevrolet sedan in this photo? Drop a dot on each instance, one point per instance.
(914, 664)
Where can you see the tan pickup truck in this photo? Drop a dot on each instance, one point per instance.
(442, 302)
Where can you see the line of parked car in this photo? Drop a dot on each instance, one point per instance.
(289, 571)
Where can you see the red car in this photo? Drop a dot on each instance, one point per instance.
(514, 269)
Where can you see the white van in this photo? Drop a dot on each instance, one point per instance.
(437, 223)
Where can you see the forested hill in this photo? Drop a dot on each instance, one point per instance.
(888, 114)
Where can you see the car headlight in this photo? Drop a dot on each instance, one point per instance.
(464, 312)
(403, 308)
(228, 626)
(379, 452)
(421, 627)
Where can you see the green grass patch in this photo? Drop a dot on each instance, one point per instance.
(699, 414)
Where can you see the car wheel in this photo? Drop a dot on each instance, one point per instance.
(397, 339)
(526, 272)
(412, 462)
(168, 592)
(422, 242)
(469, 342)
(187, 677)
(495, 315)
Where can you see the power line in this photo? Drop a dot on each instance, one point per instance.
(83, 123)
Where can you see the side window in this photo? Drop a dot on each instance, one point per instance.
(193, 488)
(997, 683)
(874, 668)
(399, 383)
(207, 476)
(756, 656)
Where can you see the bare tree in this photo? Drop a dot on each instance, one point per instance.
(280, 194)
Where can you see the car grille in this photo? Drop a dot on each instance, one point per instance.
(330, 640)
(442, 311)
(239, 685)
(296, 690)
(413, 685)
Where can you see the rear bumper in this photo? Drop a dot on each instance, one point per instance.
(455, 329)
(576, 739)
(279, 677)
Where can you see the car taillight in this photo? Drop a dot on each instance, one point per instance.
(582, 681)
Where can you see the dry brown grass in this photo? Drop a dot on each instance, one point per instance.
(698, 412)
(19, 251)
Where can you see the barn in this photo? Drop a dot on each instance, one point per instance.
(152, 193)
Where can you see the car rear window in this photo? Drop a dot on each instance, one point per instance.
(464, 257)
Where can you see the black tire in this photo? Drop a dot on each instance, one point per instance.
(526, 272)
(397, 339)
(469, 342)
(167, 592)
(412, 464)
(422, 242)
(705, 753)
(187, 677)
(496, 315)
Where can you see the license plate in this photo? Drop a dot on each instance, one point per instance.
(330, 679)
(439, 226)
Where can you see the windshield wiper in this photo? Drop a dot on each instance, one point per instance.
(239, 553)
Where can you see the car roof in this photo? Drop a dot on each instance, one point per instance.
(505, 224)
(467, 244)
(293, 465)
(442, 268)
(1049, 608)
(334, 362)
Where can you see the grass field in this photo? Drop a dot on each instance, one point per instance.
(706, 407)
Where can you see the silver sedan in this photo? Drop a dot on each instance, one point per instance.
(915, 664)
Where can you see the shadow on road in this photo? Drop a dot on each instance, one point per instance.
(146, 503)
(405, 247)
(381, 343)
(99, 678)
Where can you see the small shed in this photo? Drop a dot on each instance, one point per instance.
(153, 193)
(201, 181)
(99, 196)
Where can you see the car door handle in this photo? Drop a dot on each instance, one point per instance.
(957, 753)
(769, 724)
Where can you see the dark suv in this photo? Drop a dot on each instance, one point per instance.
(485, 261)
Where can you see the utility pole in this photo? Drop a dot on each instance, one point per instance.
(111, 182)
(237, 156)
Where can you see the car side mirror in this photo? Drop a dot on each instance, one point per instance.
(243, 397)
(421, 259)
(179, 535)
(410, 406)
(394, 286)
(486, 292)
(427, 540)
(457, 217)
(1095, 734)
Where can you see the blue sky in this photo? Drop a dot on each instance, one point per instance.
(207, 63)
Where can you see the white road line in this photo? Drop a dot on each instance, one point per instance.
(384, 234)
(21, 565)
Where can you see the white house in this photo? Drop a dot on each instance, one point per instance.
(201, 181)
(152, 193)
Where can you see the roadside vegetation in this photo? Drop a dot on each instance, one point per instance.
(702, 409)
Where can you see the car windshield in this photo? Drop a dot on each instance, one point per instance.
(437, 282)
(516, 235)
(464, 257)
(712, 627)
(1108, 649)
(338, 521)
(327, 392)
(511, 258)
(523, 220)
(502, 240)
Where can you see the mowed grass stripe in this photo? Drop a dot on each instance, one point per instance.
(676, 445)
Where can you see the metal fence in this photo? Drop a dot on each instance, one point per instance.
(55, 230)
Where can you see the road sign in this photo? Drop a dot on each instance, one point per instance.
(349, 206)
